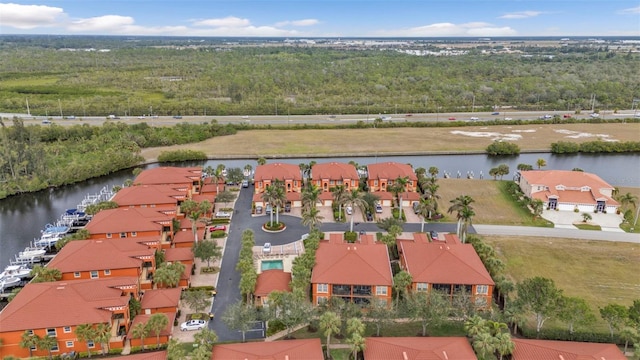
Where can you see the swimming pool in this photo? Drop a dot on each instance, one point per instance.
(271, 264)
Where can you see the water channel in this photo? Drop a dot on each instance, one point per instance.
(22, 217)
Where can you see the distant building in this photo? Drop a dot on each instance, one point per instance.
(418, 348)
(529, 349)
(290, 176)
(381, 176)
(329, 175)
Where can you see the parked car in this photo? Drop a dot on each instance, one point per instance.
(452, 118)
(258, 209)
(266, 248)
(495, 113)
(349, 210)
(369, 216)
(434, 235)
(193, 325)
(268, 209)
(287, 207)
(416, 207)
(378, 208)
(218, 228)
(245, 183)
(223, 214)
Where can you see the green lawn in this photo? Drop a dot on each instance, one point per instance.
(588, 227)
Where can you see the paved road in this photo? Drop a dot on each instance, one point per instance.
(284, 119)
(556, 232)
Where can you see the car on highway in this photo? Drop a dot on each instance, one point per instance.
(452, 118)
(193, 325)
(473, 118)
(409, 115)
(46, 122)
(177, 117)
(384, 118)
(217, 228)
(567, 116)
(508, 118)
(495, 113)
(546, 117)
(378, 208)
(594, 115)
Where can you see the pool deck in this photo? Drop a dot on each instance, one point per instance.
(286, 253)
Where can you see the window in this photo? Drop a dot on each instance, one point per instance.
(339, 182)
(123, 234)
(381, 290)
(91, 344)
(67, 329)
(323, 288)
(30, 332)
(143, 206)
(69, 344)
(375, 182)
(153, 205)
(55, 348)
(76, 274)
(94, 274)
(107, 272)
(51, 332)
(422, 286)
(108, 235)
(134, 234)
(322, 300)
(332, 182)
(482, 289)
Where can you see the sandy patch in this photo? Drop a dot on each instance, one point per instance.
(578, 135)
(488, 134)
(524, 131)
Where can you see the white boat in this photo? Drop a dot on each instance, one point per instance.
(51, 234)
(8, 283)
(30, 255)
(17, 271)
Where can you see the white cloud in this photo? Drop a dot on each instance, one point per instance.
(304, 22)
(450, 29)
(29, 16)
(106, 24)
(630, 11)
(229, 21)
(521, 15)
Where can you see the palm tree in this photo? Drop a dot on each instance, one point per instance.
(310, 196)
(357, 342)
(48, 342)
(329, 324)
(140, 330)
(537, 206)
(541, 163)
(458, 204)
(474, 326)
(311, 218)
(627, 199)
(217, 176)
(354, 199)
(261, 161)
(483, 344)
(248, 169)
(627, 334)
(280, 197)
(157, 322)
(339, 197)
(269, 197)
(466, 215)
(430, 191)
(425, 207)
(433, 171)
(29, 341)
(86, 333)
(397, 188)
(503, 344)
(401, 282)
(103, 334)
(420, 173)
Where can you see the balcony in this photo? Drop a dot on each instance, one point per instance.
(341, 289)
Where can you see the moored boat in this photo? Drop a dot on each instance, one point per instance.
(30, 255)
(17, 271)
(9, 283)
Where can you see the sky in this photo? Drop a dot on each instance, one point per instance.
(323, 18)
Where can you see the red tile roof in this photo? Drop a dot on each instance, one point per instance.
(161, 298)
(65, 303)
(527, 349)
(334, 171)
(104, 254)
(390, 171)
(438, 263)
(178, 254)
(304, 349)
(150, 194)
(572, 181)
(169, 175)
(185, 235)
(352, 264)
(418, 348)
(272, 280)
(277, 171)
(128, 219)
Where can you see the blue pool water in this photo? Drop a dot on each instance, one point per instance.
(271, 264)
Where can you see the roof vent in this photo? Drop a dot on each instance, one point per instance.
(444, 353)
(354, 248)
(60, 288)
(404, 355)
(561, 357)
(348, 248)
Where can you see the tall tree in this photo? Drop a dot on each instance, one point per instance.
(539, 296)
(207, 250)
(540, 163)
(310, 196)
(311, 217)
(103, 335)
(240, 317)
(462, 202)
(355, 329)
(430, 308)
(425, 207)
(197, 299)
(484, 344)
(355, 200)
(398, 187)
(339, 198)
(156, 323)
(503, 344)
(140, 330)
(466, 215)
(29, 341)
(329, 325)
(175, 351)
(615, 315)
(169, 274)
(45, 274)
(575, 311)
(86, 333)
(380, 314)
(48, 343)
(401, 282)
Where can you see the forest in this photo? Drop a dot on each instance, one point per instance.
(182, 80)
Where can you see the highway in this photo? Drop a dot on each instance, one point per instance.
(323, 119)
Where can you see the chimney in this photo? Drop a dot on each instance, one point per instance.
(404, 355)
(444, 353)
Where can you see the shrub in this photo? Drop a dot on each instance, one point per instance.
(218, 234)
(274, 327)
(350, 236)
(218, 221)
(502, 148)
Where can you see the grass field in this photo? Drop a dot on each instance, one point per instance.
(369, 142)
(601, 272)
